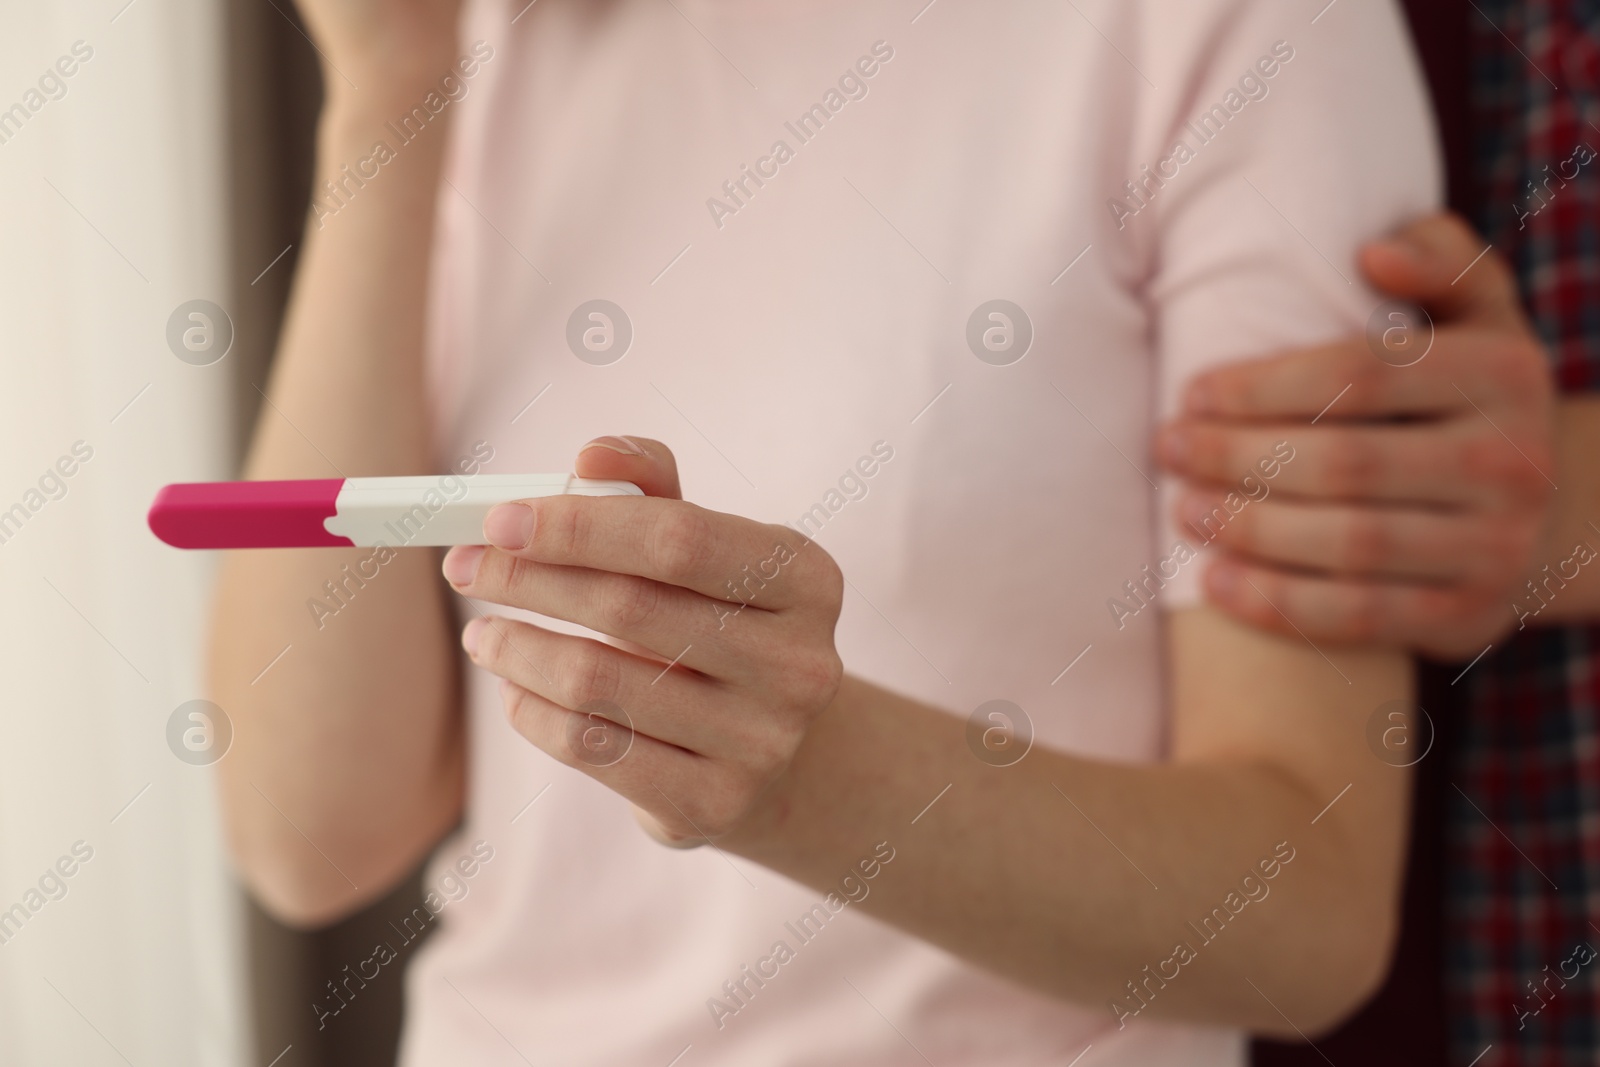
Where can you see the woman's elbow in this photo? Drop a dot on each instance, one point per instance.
(1342, 965)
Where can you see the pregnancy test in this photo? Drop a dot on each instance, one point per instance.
(351, 512)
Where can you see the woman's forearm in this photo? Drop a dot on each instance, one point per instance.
(1201, 889)
(347, 762)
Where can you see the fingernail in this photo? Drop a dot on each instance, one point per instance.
(469, 636)
(509, 526)
(461, 564)
(619, 445)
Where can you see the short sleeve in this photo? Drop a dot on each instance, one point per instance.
(1290, 144)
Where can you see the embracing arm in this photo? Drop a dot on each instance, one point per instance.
(1577, 522)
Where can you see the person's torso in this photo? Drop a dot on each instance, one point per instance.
(808, 339)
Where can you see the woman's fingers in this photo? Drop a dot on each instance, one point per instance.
(720, 715)
(648, 464)
(721, 556)
(673, 623)
(662, 779)
(657, 740)
(672, 704)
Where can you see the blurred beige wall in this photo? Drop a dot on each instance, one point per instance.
(112, 178)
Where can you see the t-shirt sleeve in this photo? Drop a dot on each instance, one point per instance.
(1288, 145)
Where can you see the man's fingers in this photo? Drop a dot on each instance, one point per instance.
(648, 464)
(1345, 380)
(1464, 462)
(1477, 340)
(1345, 611)
(1337, 381)
(1363, 541)
(1441, 263)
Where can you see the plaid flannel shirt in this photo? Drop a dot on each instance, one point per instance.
(1522, 747)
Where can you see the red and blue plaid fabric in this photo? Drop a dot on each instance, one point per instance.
(1522, 742)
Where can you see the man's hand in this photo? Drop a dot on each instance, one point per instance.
(726, 632)
(1420, 495)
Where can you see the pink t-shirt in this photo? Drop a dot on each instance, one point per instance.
(803, 214)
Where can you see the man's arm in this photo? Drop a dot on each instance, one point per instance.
(1559, 596)
(347, 760)
(1071, 875)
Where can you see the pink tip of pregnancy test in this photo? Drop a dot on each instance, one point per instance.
(247, 514)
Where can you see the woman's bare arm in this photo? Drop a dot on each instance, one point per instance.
(1254, 881)
(1277, 828)
(347, 760)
